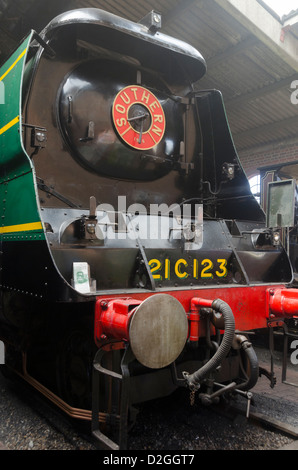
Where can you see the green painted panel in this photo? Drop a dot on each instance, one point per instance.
(14, 160)
(19, 209)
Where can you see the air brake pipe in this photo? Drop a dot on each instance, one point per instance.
(252, 376)
(194, 380)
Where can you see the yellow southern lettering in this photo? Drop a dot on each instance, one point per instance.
(157, 130)
(145, 97)
(124, 96)
(120, 108)
(134, 90)
(121, 122)
(154, 105)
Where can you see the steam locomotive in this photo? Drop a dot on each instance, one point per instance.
(134, 258)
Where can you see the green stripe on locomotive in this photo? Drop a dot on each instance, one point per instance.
(19, 215)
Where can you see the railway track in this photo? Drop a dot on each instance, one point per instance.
(29, 421)
(259, 418)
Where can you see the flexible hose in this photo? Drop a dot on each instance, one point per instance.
(252, 366)
(194, 380)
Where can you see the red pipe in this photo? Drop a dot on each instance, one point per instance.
(197, 301)
(194, 317)
(283, 303)
(112, 318)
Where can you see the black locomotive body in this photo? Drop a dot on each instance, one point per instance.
(140, 218)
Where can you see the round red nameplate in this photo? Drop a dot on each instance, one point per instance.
(138, 117)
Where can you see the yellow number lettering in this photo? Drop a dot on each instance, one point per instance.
(195, 269)
(208, 267)
(167, 269)
(155, 266)
(181, 275)
(223, 268)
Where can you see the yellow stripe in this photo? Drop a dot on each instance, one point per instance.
(10, 124)
(15, 62)
(15, 120)
(21, 227)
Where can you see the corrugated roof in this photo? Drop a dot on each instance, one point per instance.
(255, 79)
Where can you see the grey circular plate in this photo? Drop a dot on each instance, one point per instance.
(158, 331)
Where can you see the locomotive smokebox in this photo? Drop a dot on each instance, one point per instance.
(156, 328)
